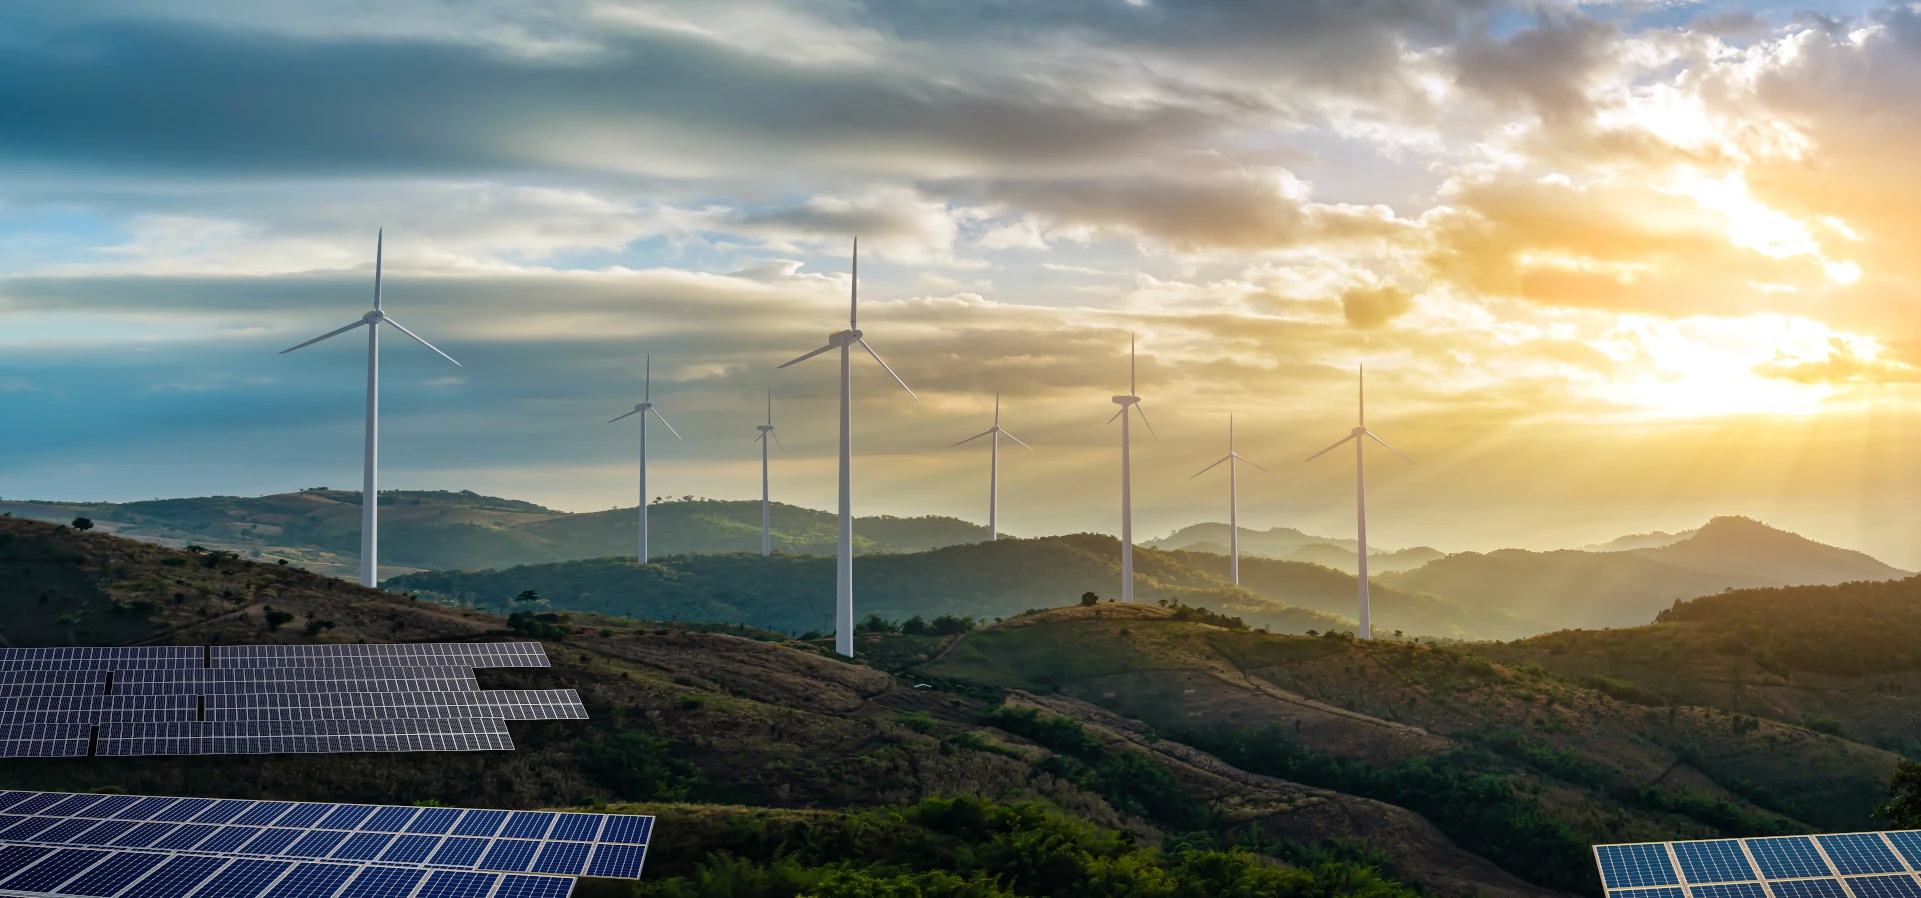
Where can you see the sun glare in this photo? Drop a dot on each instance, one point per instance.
(1702, 367)
(1754, 225)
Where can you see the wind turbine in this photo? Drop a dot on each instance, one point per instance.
(1360, 491)
(369, 484)
(1232, 459)
(766, 511)
(845, 341)
(1130, 401)
(645, 408)
(994, 467)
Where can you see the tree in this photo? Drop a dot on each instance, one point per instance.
(527, 595)
(1902, 810)
(83, 524)
(275, 619)
(1088, 598)
(914, 626)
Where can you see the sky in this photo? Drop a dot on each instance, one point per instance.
(1611, 267)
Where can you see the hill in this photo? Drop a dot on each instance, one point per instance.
(1511, 762)
(980, 580)
(320, 528)
(1289, 544)
(1845, 658)
(765, 760)
(795, 592)
(1573, 588)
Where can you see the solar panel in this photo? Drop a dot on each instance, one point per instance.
(185, 700)
(1842, 865)
(96, 840)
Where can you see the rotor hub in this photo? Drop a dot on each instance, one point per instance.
(373, 316)
(1360, 431)
(1126, 400)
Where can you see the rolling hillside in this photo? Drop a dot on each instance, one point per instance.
(1624, 588)
(320, 529)
(1843, 657)
(762, 757)
(1508, 760)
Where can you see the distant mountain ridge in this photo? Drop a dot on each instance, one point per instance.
(1289, 544)
(320, 528)
(1624, 588)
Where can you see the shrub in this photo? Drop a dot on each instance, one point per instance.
(83, 524)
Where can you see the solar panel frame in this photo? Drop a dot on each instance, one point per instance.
(1831, 865)
(476, 839)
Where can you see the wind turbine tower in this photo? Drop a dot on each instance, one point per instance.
(845, 341)
(643, 409)
(766, 510)
(1232, 459)
(1133, 402)
(994, 468)
(1360, 435)
(370, 475)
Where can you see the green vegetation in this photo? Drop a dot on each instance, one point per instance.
(966, 847)
(1475, 805)
(982, 580)
(1902, 810)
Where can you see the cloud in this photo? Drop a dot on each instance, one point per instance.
(1371, 307)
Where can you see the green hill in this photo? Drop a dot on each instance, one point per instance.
(1845, 657)
(765, 760)
(1511, 762)
(320, 528)
(795, 592)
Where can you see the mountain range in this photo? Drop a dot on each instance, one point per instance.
(1292, 581)
(1065, 746)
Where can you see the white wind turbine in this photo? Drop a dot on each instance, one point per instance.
(645, 408)
(994, 468)
(845, 341)
(1130, 401)
(766, 510)
(369, 484)
(1232, 459)
(1360, 492)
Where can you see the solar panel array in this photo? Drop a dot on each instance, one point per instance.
(1846, 865)
(132, 846)
(255, 699)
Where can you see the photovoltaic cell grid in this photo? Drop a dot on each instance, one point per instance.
(1844, 865)
(132, 846)
(183, 700)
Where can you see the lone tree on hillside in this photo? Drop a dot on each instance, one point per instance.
(1902, 810)
(527, 595)
(83, 524)
(1088, 598)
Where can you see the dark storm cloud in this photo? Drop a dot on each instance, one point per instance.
(160, 95)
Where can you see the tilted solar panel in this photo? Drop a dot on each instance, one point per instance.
(164, 700)
(131, 846)
(1843, 865)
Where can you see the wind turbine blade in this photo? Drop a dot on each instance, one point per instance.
(890, 371)
(777, 440)
(670, 427)
(1330, 448)
(628, 415)
(1210, 467)
(976, 436)
(647, 381)
(324, 336)
(1390, 448)
(1150, 424)
(1246, 462)
(420, 341)
(1016, 439)
(1123, 411)
(380, 246)
(762, 438)
(805, 358)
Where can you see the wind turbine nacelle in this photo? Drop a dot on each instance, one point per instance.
(1359, 431)
(373, 316)
(763, 428)
(844, 338)
(1126, 400)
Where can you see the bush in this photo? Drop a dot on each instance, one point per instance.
(277, 619)
(83, 524)
(1090, 599)
(545, 625)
